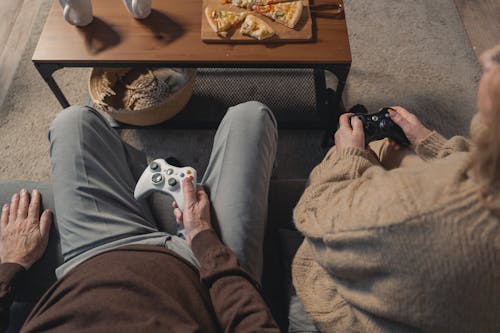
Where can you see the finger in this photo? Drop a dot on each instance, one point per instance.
(45, 223)
(24, 202)
(400, 117)
(14, 204)
(178, 216)
(174, 205)
(344, 120)
(394, 145)
(201, 193)
(188, 192)
(400, 111)
(34, 205)
(4, 220)
(357, 125)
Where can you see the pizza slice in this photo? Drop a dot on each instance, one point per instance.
(222, 21)
(248, 4)
(256, 28)
(286, 13)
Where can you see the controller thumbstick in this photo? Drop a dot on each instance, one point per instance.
(157, 178)
(172, 182)
(154, 166)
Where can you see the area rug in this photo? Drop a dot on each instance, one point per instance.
(410, 53)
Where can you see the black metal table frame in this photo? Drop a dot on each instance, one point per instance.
(329, 101)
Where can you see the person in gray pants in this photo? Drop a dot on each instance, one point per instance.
(101, 224)
(93, 186)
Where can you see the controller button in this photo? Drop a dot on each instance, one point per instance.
(188, 172)
(172, 182)
(170, 171)
(157, 178)
(154, 166)
(182, 175)
(190, 178)
(387, 115)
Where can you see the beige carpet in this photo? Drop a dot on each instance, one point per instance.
(412, 53)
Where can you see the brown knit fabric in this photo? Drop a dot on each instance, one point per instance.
(143, 288)
(403, 250)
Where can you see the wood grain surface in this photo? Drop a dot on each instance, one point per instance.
(171, 36)
(302, 32)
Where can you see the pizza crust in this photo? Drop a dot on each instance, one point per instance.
(210, 19)
(221, 21)
(256, 28)
(297, 15)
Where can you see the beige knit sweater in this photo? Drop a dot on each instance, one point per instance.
(411, 249)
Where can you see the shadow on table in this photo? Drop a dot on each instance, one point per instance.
(164, 28)
(99, 36)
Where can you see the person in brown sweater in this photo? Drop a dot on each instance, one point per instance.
(410, 248)
(120, 273)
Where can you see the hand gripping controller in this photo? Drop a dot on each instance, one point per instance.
(166, 178)
(380, 125)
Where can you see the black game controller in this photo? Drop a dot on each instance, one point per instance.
(380, 125)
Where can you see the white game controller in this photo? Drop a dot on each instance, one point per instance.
(163, 177)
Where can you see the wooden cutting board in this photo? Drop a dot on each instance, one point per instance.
(302, 31)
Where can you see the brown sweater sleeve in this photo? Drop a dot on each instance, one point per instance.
(237, 303)
(8, 274)
(347, 163)
(435, 145)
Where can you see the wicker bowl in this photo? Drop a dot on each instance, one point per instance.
(102, 79)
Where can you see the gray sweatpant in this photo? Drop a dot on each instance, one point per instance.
(93, 187)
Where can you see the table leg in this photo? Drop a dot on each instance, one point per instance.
(341, 72)
(46, 71)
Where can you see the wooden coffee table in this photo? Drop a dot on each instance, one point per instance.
(170, 37)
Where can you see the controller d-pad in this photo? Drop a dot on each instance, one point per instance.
(383, 123)
(172, 182)
(157, 178)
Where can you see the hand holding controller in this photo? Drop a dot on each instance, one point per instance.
(163, 177)
(380, 125)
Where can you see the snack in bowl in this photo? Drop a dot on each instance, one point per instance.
(222, 21)
(256, 28)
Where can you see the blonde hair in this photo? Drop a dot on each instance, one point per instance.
(486, 156)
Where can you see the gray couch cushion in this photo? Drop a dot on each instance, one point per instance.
(298, 320)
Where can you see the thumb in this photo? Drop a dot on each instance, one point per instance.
(399, 119)
(188, 192)
(45, 223)
(357, 125)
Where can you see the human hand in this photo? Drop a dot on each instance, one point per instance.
(24, 234)
(413, 128)
(196, 215)
(350, 132)
(490, 58)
